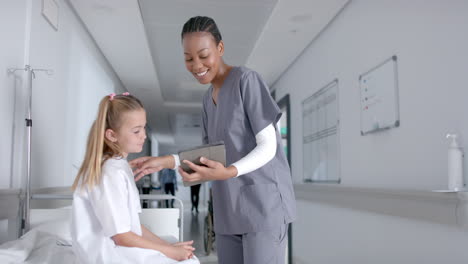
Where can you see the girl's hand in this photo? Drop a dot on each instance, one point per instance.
(181, 252)
(146, 165)
(189, 243)
(212, 170)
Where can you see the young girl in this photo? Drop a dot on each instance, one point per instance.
(105, 224)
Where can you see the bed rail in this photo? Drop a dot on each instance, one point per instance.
(163, 197)
(150, 197)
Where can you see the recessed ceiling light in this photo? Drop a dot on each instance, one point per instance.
(301, 18)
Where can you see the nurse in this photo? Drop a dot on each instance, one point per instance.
(253, 197)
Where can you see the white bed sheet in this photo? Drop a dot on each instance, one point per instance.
(49, 240)
(37, 247)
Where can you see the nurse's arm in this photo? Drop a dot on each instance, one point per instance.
(146, 165)
(212, 171)
(263, 153)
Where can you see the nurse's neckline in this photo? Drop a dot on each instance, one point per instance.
(226, 74)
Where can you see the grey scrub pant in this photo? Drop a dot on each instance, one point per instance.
(264, 247)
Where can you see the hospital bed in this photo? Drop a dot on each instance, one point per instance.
(48, 238)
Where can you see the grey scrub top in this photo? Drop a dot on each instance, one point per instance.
(264, 198)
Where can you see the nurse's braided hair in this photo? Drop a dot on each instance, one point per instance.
(99, 148)
(202, 24)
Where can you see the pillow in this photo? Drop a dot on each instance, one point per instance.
(53, 221)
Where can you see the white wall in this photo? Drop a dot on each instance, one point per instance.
(329, 235)
(82, 77)
(12, 28)
(430, 40)
(65, 103)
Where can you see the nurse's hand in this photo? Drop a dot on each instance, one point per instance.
(146, 165)
(212, 171)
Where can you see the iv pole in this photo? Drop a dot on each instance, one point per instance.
(30, 75)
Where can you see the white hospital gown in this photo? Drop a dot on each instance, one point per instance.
(110, 208)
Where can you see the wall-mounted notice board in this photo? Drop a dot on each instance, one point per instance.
(320, 128)
(379, 97)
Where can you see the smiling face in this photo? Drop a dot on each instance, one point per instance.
(202, 55)
(132, 134)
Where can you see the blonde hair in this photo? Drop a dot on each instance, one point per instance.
(99, 148)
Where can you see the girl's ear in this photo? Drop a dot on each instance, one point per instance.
(221, 48)
(110, 135)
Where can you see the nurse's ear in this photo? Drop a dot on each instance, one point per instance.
(221, 48)
(110, 135)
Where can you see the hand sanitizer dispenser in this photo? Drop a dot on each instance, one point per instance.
(455, 165)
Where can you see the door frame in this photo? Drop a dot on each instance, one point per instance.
(285, 103)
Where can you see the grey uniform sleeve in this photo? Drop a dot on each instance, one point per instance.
(259, 106)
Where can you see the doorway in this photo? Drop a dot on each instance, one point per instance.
(284, 125)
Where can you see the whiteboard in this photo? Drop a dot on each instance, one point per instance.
(379, 97)
(320, 135)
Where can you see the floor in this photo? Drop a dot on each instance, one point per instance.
(193, 230)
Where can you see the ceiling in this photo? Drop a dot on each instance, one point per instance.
(141, 41)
